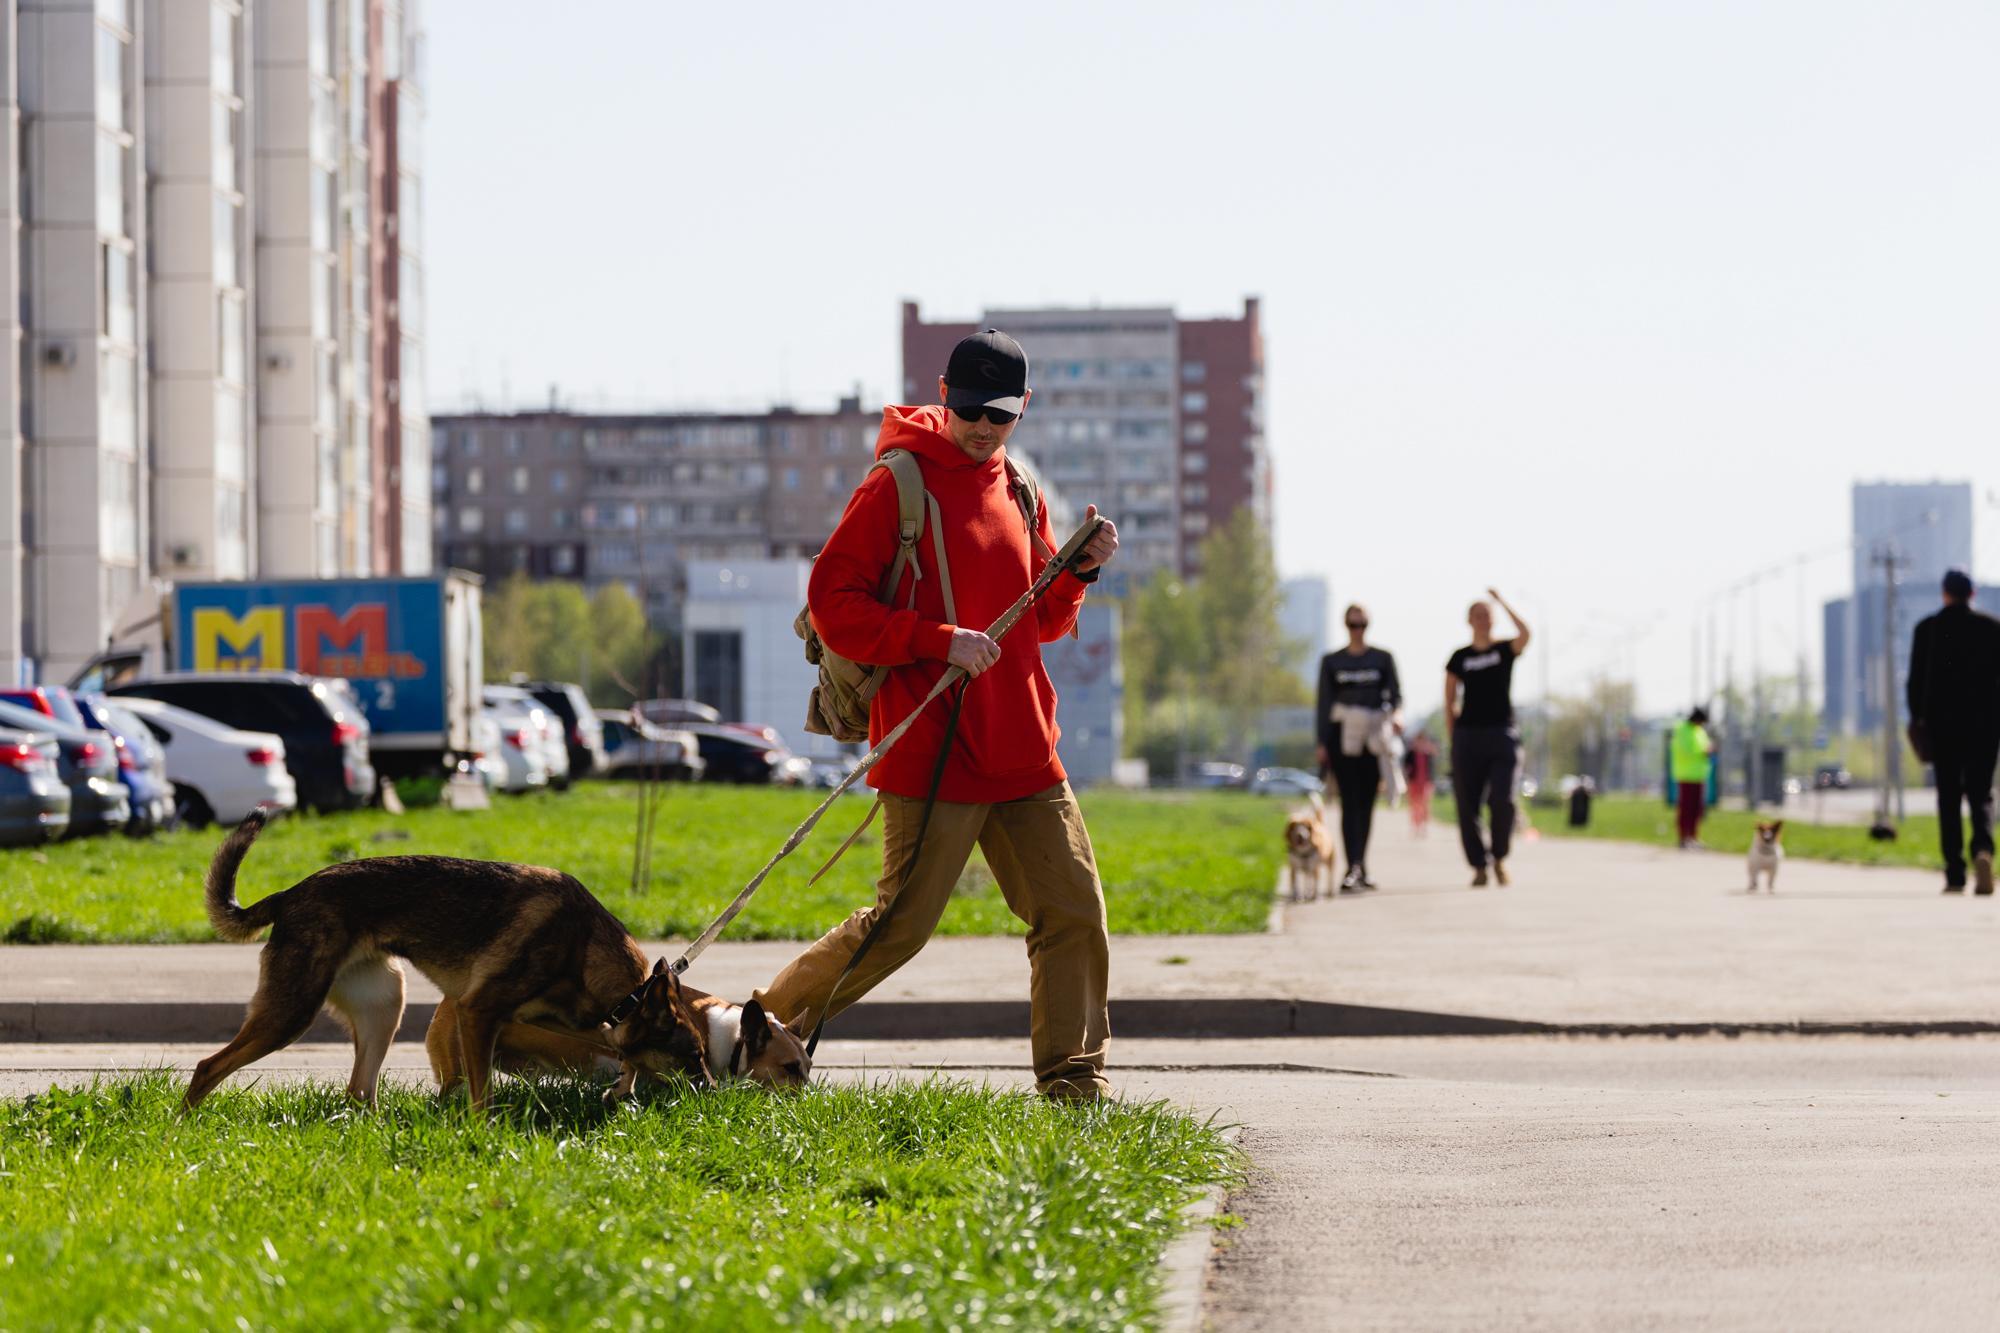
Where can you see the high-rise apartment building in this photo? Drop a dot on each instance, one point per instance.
(215, 297)
(1156, 419)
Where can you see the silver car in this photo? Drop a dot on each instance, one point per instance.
(34, 803)
(88, 763)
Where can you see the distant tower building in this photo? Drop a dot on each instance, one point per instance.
(1929, 527)
(1305, 616)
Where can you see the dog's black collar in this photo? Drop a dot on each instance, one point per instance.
(623, 1009)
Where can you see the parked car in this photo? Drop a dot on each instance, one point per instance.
(34, 802)
(582, 731)
(669, 711)
(1284, 782)
(325, 737)
(512, 699)
(219, 773)
(518, 747)
(87, 761)
(830, 773)
(49, 700)
(634, 747)
(1215, 774)
(142, 764)
(1832, 777)
(737, 756)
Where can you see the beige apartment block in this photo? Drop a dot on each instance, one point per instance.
(212, 298)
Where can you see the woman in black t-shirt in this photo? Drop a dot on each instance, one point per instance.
(1485, 746)
(1360, 700)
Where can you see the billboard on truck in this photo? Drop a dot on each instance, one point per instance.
(401, 641)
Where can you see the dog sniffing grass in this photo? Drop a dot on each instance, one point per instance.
(931, 1203)
(1172, 864)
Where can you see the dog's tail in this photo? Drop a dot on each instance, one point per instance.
(231, 919)
(1318, 803)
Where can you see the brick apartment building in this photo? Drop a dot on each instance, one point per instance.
(632, 499)
(1156, 419)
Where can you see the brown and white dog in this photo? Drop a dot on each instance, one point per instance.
(1309, 850)
(1767, 853)
(731, 1041)
(505, 942)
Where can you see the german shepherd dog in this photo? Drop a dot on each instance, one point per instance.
(502, 941)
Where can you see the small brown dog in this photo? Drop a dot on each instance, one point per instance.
(1767, 853)
(505, 942)
(1309, 851)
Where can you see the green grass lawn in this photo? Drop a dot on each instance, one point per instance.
(1171, 864)
(927, 1205)
(1647, 819)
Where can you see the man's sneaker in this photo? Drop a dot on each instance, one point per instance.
(1982, 873)
(1479, 877)
(1351, 881)
(1500, 873)
(1953, 888)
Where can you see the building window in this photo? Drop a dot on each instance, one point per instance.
(229, 336)
(230, 450)
(565, 519)
(471, 518)
(1195, 432)
(120, 316)
(514, 444)
(118, 493)
(1194, 401)
(562, 559)
(1193, 372)
(224, 240)
(110, 79)
(222, 28)
(111, 184)
(222, 148)
(519, 481)
(118, 402)
(471, 444)
(475, 480)
(791, 479)
(831, 481)
(1194, 464)
(559, 481)
(517, 522)
(1194, 493)
(718, 670)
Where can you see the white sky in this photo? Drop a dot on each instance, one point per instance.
(1604, 303)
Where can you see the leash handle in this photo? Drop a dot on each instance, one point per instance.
(1066, 558)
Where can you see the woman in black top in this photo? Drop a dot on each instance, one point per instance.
(1359, 697)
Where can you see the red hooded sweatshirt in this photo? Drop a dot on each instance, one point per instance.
(1006, 742)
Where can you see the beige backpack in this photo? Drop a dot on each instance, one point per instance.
(838, 706)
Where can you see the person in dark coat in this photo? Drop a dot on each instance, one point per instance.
(1954, 699)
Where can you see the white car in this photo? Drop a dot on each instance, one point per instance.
(219, 773)
(1284, 782)
(515, 749)
(634, 748)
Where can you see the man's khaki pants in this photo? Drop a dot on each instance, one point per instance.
(1040, 853)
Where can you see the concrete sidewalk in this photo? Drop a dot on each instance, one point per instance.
(1593, 937)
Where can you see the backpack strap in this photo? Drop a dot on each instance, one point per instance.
(901, 464)
(1027, 491)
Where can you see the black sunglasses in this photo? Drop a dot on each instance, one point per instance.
(998, 416)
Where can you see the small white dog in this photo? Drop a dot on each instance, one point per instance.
(1767, 853)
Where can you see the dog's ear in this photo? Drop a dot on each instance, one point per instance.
(660, 968)
(663, 987)
(1777, 827)
(756, 1030)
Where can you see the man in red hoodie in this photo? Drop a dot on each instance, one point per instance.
(1003, 788)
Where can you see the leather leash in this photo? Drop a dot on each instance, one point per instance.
(1066, 558)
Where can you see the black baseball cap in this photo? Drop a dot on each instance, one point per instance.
(987, 369)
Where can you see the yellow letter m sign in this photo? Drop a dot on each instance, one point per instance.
(256, 642)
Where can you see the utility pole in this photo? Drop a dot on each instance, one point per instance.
(1892, 750)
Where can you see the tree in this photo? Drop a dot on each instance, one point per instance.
(1204, 659)
(551, 630)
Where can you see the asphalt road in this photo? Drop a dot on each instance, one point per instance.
(1522, 1182)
